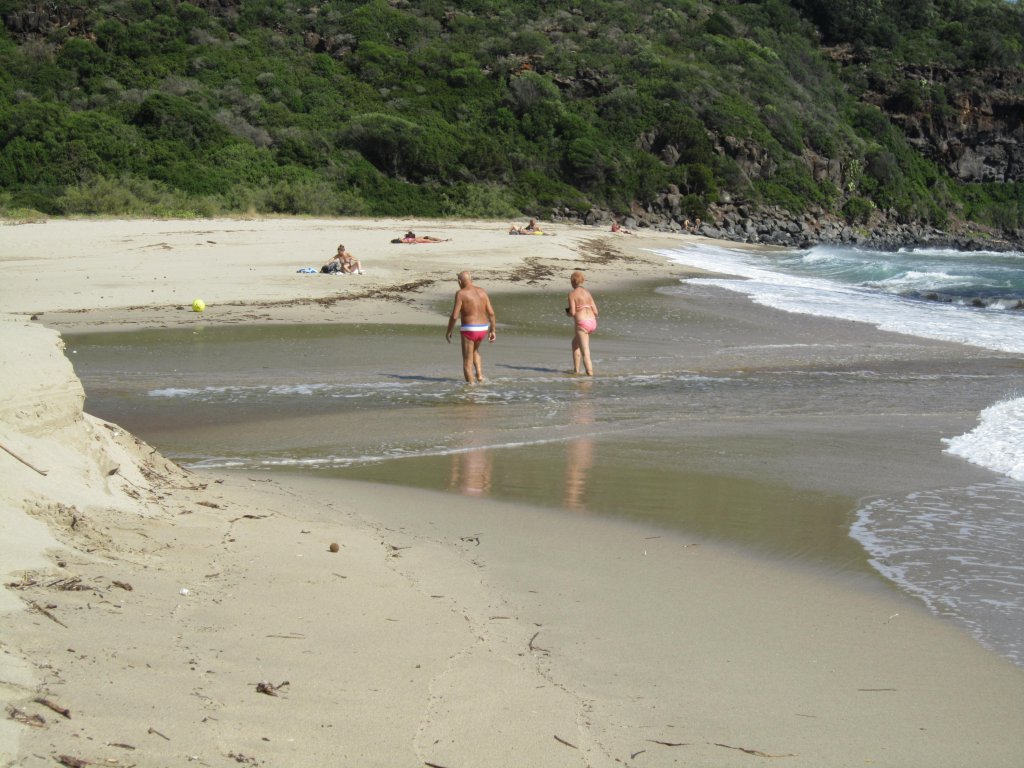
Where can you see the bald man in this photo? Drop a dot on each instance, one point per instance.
(475, 314)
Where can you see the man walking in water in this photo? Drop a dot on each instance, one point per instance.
(475, 314)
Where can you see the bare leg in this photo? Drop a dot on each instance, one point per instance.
(582, 341)
(576, 354)
(468, 359)
(478, 362)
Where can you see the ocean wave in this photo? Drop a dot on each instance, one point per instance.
(949, 253)
(920, 281)
(769, 281)
(997, 443)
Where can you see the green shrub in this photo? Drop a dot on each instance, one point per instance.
(124, 196)
(477, 201)
(401, 147)
(857, 210)
(791, 187)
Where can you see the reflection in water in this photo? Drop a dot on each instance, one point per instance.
(579, 455)
(471, 472)
(472, 467)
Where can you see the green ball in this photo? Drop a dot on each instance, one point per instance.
(198, 305)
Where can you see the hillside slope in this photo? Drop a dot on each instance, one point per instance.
(875, 115)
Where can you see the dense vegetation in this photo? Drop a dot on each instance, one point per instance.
(481, 107)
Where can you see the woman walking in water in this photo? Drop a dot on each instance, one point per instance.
(583, 310)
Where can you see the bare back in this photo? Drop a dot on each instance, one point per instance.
(472, 306)
(581, 303)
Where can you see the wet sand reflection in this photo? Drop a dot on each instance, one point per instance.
(579, 454)
(472, 467)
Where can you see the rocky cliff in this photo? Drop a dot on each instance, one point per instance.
(969, 122)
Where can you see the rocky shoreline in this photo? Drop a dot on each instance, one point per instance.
(772, 225)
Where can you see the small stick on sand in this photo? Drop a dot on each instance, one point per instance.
(533, 647)
(37, 607)
(754, 752)
(268, 688)
(30, 466)
(55, 707)
(35, 721)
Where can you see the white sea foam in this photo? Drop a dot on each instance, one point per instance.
(236, 393)
(297, 389)
(920, 281)
(948, 253)
(998, 441)
(958, 550)
(989, 329)
(328, 462)
(204, 394)
(174, 392)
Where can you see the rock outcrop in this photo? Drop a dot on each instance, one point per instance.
(969, 122)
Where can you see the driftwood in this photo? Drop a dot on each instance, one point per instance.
(35, 721)
(563, 741)
(155, 732)
(533, 647)
(269, 689)
(73, 762)
(27, 464)
(55, 707)
(37, 607)
(71, 584)
(25, 583)
(755, 752)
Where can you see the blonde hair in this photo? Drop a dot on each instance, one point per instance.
(576, 278)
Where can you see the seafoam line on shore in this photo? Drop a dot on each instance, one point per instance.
(997, 443)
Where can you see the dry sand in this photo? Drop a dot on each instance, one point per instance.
(187, 617)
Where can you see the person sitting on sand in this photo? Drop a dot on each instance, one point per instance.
(349, 263)
(616, 227)
(342, 262)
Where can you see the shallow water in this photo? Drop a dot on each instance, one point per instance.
(702, 419)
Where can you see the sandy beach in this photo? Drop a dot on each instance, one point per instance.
(155, 615)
